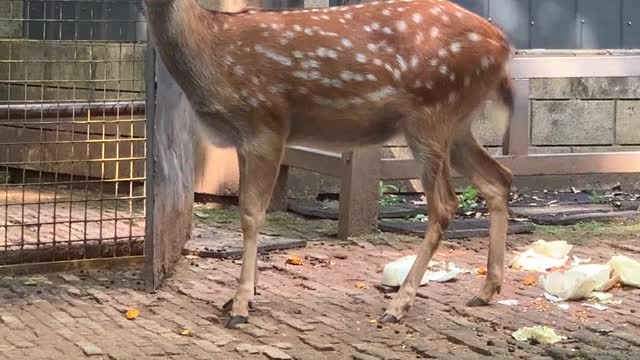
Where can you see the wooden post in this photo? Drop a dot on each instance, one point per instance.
(169, 203)
(359, 192)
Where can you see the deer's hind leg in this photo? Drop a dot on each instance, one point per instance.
(432, 154)
(494, 182)
(259, 166)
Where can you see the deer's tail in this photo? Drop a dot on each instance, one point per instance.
(505, 95)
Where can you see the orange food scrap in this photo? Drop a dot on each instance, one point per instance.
(481, 270)
(132, 313)
(294, 260)
(361, 285)
(529, 280)
(186, 332)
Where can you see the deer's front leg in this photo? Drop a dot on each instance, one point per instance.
(258, 172)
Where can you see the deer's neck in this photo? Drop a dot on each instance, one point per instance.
(186, 37)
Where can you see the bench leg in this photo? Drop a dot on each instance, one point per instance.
(359, 192)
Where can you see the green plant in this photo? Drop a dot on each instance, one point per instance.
(385, 199)
(468, 198)
(595, 197)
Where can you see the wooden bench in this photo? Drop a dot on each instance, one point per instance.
(361, 170)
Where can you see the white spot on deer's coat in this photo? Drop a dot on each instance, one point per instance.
(455, 47)
(401, 62)
(443, 53)
(297, 27)
(297, 54)
(473, 37)
(310, 64)
(372, 47)
(367, 28)
(396, 74)
(362, 58)
(433, 62)
(377, 62)
(375, 26)
(401, 25)
(238, 70)
(417, 18)
(414, 61)
(386, 12)
(347, 75)
(270, 54)
(371, 77)
(419, 38)
(484, 62)
(346, 42)
(387, 30)
(381, 93)
(452, 77)
(443, 69)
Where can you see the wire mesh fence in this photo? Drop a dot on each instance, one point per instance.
(72, 129)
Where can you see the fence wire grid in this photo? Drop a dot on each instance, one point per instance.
(72, 130)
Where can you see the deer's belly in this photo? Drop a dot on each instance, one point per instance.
(339, 130)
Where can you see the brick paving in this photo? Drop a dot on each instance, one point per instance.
(319, 310)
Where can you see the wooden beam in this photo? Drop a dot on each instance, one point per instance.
(543, 164)
(535, 67)
(323, 162)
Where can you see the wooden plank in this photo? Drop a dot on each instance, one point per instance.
(542, 164)
(71, 153)
(169, 203)
(358, 207)
(536, 67)
(323, 162)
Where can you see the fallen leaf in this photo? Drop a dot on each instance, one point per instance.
(133, 313)
(529, 280)
(294, 260)
(186, 332)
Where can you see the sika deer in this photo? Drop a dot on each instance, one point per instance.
(345, 77)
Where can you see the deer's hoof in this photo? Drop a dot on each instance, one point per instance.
(476, 302)
(229, 305)
(234, 321)
(388, 319)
